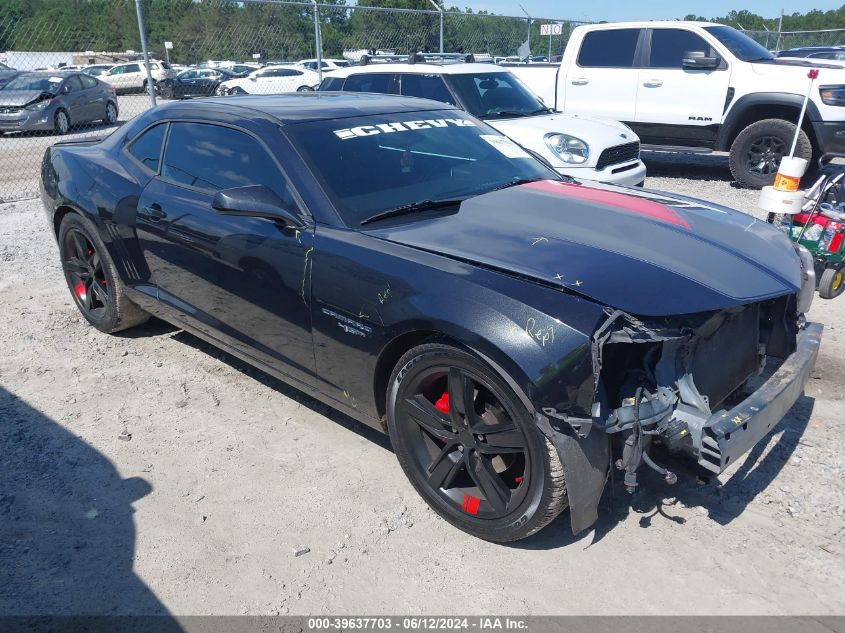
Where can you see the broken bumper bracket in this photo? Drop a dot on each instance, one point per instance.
(730, 434)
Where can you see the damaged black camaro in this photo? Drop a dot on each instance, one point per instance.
(516, 335)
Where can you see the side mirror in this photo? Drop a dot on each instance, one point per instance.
(698, 60)
(254, 201)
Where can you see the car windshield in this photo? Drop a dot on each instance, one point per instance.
(495, 95)
(742, 46)
(44, 83)
(372, 164)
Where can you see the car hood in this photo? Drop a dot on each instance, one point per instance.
(595, 132)
(644, 252)
(22, 97)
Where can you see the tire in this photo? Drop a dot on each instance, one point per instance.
(61, 122)
(92, 279)
(305, 89)
(111, 114)
(832, 284)
(509, 458)
(757, 150)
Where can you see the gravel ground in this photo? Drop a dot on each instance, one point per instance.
(150, 473)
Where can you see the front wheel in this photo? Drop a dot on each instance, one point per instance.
(61, 122)
(92, 279)
(470, 447)
(305, 89)
(757, 150)
(831, 283)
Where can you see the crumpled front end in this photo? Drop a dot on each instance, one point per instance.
(701, 388)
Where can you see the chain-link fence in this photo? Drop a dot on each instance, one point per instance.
(775, 41)
(99, 42)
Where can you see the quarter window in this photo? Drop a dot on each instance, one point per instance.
(211, 157)
(669, 45)
(373, 82)
(147, 147)
(612, 48)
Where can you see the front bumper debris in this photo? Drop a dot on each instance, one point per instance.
(728, 435)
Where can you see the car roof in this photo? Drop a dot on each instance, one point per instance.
(302, 107)
(421, 68)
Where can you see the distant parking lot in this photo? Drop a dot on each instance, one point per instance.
(20, 153)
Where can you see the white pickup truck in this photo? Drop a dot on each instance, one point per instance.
(696, 87)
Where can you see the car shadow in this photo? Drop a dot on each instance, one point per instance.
(348, 422)
(711, 167)
(67, 537)
(655, 500)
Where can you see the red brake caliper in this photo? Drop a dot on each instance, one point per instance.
(79, 289)
(442, 403)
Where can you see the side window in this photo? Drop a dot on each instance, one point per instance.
(426, 87)
(669, 45)
(132, 68)
(72, 84)
(146, 148)
(190, 74)
(88, 81)
(609, 48)
(373, 82)
(212, 158)
(117, 70)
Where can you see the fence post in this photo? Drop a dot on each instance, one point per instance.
(318, 40)
(440, 10)
(150, 85)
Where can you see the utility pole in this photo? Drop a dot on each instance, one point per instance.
(318, 40)
(150, 84)
(440, 10)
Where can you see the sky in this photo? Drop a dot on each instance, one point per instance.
(616, 10)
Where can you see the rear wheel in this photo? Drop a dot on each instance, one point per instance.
(470, 447)
(832, 284)
(92, 278)
(305, 89)
(757, 150)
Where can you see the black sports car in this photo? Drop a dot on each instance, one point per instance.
(512, 332)
(194, 82)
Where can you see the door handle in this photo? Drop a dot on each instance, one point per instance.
(580, 81)
(153, 213)
(653, 83)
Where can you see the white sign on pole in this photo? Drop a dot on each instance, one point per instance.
(256, 55)
(168, 46)
(551, 29)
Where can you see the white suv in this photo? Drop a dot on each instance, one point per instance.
(133, 75)
(581, 147)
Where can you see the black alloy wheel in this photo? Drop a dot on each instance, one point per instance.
(86, 275)
(470, 447)
(764, 155)
(92, 279)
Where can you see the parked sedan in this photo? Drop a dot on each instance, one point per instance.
(55, 101)
(272, 80)
(195, 82)
(513, 332)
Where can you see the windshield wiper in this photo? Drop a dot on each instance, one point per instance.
(507, 113)
(515, 183)
(413, 207)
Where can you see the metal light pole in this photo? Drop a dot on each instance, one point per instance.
(440, 10)
(318, 40)
(150, 87)
(780, 29)
(529, 28)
